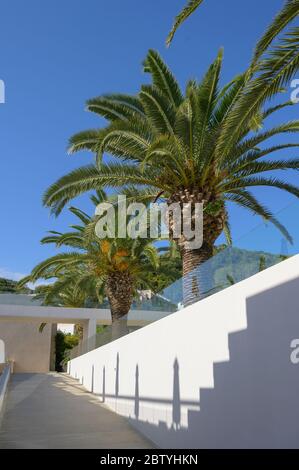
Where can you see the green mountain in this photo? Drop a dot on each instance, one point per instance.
(232, 264)
(10, 286)
(228, 266)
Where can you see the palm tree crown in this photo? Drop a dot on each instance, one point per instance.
(169, 142)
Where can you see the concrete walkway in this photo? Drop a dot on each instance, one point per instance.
(51, 411)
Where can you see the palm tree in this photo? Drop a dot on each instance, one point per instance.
(110, 267)
(289, 11)
(64, 292)
(201, 146)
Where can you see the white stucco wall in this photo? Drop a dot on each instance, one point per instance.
(216, 374)
(26, 346)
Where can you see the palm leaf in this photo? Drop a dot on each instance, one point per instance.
(260, 181)
(162, 77)
(86, 140)
(207, 96)
(115, 107)
(274, 72)
(288, 13)
(159, 110)
(246, 200)
(89, 178)
(61, 261)
(191, 6)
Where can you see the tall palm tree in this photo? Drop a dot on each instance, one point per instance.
(201, 146)
(111, 267)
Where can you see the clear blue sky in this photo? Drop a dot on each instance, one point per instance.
(56, 54)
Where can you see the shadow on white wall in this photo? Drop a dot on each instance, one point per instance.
(254, 403)
(251, 400)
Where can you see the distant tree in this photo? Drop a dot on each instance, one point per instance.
(110, 267)
(63, 344)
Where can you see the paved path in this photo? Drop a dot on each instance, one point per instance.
(51, 411)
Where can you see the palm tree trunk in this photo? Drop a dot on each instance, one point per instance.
(197, 272)
(78, 330)
(119, 290)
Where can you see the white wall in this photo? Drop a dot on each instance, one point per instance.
(26, 346)
(162, 377)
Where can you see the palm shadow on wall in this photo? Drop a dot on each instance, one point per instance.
(254, 402)
(176, 401)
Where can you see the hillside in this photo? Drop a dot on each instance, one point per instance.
(10, 286)
(240, 264)
(228, 266)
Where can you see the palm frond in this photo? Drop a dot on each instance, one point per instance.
(287, 14)
(261, 181)
(252, 143)
(227, 97)
(78, 181)
(89, 178)
(207, 97)
(162, 77)
(160, 112)
(278, 107)
(256, 154)
(127, 142)
(191, 6)
(85, 218)
(22, 282)
(246, 200)
(86, 140)
(115, 107)
(274, 72)
(252, 168)
(61, 261)
(72, 239)
(227, 232)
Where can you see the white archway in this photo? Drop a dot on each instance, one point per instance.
(2, 352)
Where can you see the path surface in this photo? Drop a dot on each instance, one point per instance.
(51, 411)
